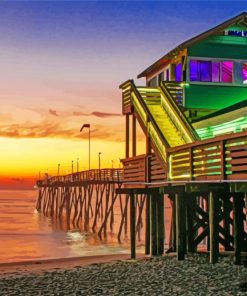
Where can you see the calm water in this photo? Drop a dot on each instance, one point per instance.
(27, 235)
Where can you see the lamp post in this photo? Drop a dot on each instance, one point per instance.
(99, 159)
(112, 163)
(72, 166)
(77, 164)
(87, 125)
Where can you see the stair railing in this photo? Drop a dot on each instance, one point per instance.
(181, 123)
(145, 115)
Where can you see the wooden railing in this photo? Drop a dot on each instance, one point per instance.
(175, 90)
(221, 158)
(146, 117)
(102, 175)
(126, 98)
(143, 169)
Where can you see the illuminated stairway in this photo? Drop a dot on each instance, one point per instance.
(159, 116)
(152, 99)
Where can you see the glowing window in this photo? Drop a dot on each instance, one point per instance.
(244, 73)
(209, 71)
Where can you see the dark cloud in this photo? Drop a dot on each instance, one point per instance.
(49, 129)
(96, 113)
(53, 112)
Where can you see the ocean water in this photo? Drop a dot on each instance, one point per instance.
(28, 235)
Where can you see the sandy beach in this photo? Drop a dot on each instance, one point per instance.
(117, 275)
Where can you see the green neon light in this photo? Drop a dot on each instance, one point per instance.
(233, 126)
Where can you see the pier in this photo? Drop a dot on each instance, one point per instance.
(193, 116)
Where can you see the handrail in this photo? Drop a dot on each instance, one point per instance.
(179, 119)
(89, 175)
(151, 125)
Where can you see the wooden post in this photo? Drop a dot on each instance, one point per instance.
(127, 139)
(226, 221)
(238, 227)
(132, 226)
(190, 207)
(180, 225)
(147, 235)
(153, 225)
(133, 135)
(214, 226)
(160, 224)
(173, 226)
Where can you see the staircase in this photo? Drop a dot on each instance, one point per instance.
(152, 99)
(159, 116)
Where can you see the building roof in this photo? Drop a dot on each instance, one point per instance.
(241, 18)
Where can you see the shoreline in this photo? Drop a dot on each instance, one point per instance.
(44, 265)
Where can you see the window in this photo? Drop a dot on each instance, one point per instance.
(209, 71)
(178, 73)
(244, 73)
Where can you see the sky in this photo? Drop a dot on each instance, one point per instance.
(61, 66)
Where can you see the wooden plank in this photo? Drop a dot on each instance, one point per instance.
(236, 147)
(237, 161)
(237, 176)
(238, 154)
(239, 168)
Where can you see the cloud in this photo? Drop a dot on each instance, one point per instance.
(53, 112)
(59, 129)
(19, 180)
(96, 113)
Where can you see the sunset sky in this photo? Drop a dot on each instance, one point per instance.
(61, 65)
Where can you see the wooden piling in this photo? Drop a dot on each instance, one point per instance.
(180, 225)
(238, 227)
(147, 233)
(190, 206)
(132, 226)
(214, 226)
(153, 222)
(160, 224)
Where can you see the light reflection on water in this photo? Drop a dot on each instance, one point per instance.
(25, 234)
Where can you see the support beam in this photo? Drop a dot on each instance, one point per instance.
(147, 234)
(132, 226)
(238, 225)
(214, 226)
(190, 208)
(180, 225)
(153, 225)
(133, 135)
(160, 224)
(127, 136)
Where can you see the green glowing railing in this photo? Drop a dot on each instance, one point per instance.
(221, 158)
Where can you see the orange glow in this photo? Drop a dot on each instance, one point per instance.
(22, 159)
